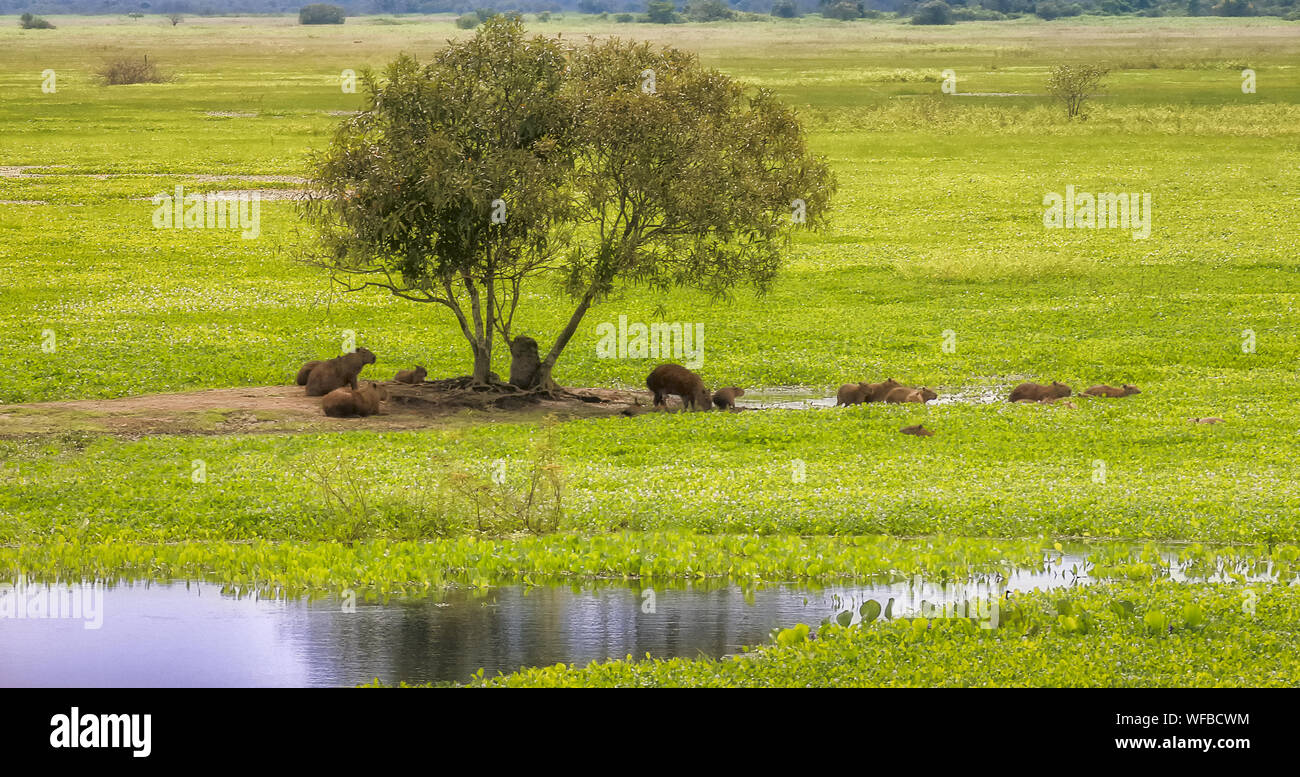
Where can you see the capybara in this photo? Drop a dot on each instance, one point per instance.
(725, 398)
(676, 379)
(1060, 402)
(1035, 392)
(901, 394)
(1206, 420)
(1112, 392)
(852, 394)
(345, 402)
(306, 371)
(411, 376)
(525, 363)
(857, 393)
(919, 430)
(338, 372)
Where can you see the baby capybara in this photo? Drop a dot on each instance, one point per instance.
(676, 379)
(411, 376)
(901, 394)
(338, 372)
(346, 402)
(1112, 392)
(1036, 392)
(306, 371)
(919, 430)
(725, 398)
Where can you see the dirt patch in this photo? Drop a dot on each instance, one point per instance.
(266, 409)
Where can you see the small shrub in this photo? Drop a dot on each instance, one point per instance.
(1074, 85)
(625, 18)
(320, 13)
(29, 22)
(467, 21)
(117, 72)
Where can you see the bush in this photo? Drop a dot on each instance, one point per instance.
(625, 18)
(320, 13)
(844, 10)
(1052, 9)
(121, 71)
(709, 11)
(786, 9)
(933, 12)
(484, 14)
(662, 12)
(29, 22)
(544, 16)
(467, 21)
(1074, 85)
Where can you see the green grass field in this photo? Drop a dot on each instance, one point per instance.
(937, 234)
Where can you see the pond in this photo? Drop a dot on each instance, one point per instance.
(192, 634)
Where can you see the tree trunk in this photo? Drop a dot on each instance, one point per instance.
(524, 363)
(544, 369)
(482, 363)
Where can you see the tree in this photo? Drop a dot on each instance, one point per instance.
(445, 188)
(785, 9)
(1074, 85)
(662, 12)
(175, 18)
(320, 13)
(933, 12)
(29, 22)
(844, 10)
(709, 11)
(615, 164)
(691, 183)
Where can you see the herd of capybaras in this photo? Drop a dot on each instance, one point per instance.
(335, 381)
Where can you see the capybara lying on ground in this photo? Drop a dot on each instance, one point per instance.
(306, 371)
(1206, 420)
(1036, 392)
(338, 372)
(411, 376)
(901, 394)
(919, 430)
(1110, 391)
(347, 402)
(725, 398)
(676, 379)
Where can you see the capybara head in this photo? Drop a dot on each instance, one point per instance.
(379, 390)
(420, 373)
(928, 395)
(366, 356)
(1131, 389)
(1059, 389)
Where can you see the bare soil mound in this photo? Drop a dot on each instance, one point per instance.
(289, 409)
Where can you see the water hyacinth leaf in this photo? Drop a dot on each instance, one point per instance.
(844, 618)
(870, 610)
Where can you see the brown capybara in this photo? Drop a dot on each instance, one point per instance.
(1035, 392)
(1112, 392)
(676, 379)
(1206, 420)
(338, 372)
(857, 393)
(345, 402)
(852, 394)
(411, 376)
(919, 430)
(306, 371)
(1060, 402)
(901, 394)
(725, 398)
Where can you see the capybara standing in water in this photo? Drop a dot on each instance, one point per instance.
(852, 394)
(901, 394)
(338, 372)
(725, 398)
(306, 371)
(857, 393)
(346, 402)
(411, 376)
(1036, 392)
(676, 379)
(1111, 391)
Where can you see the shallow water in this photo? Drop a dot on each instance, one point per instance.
(191, 634)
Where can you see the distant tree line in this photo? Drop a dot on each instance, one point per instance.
(682, 11)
